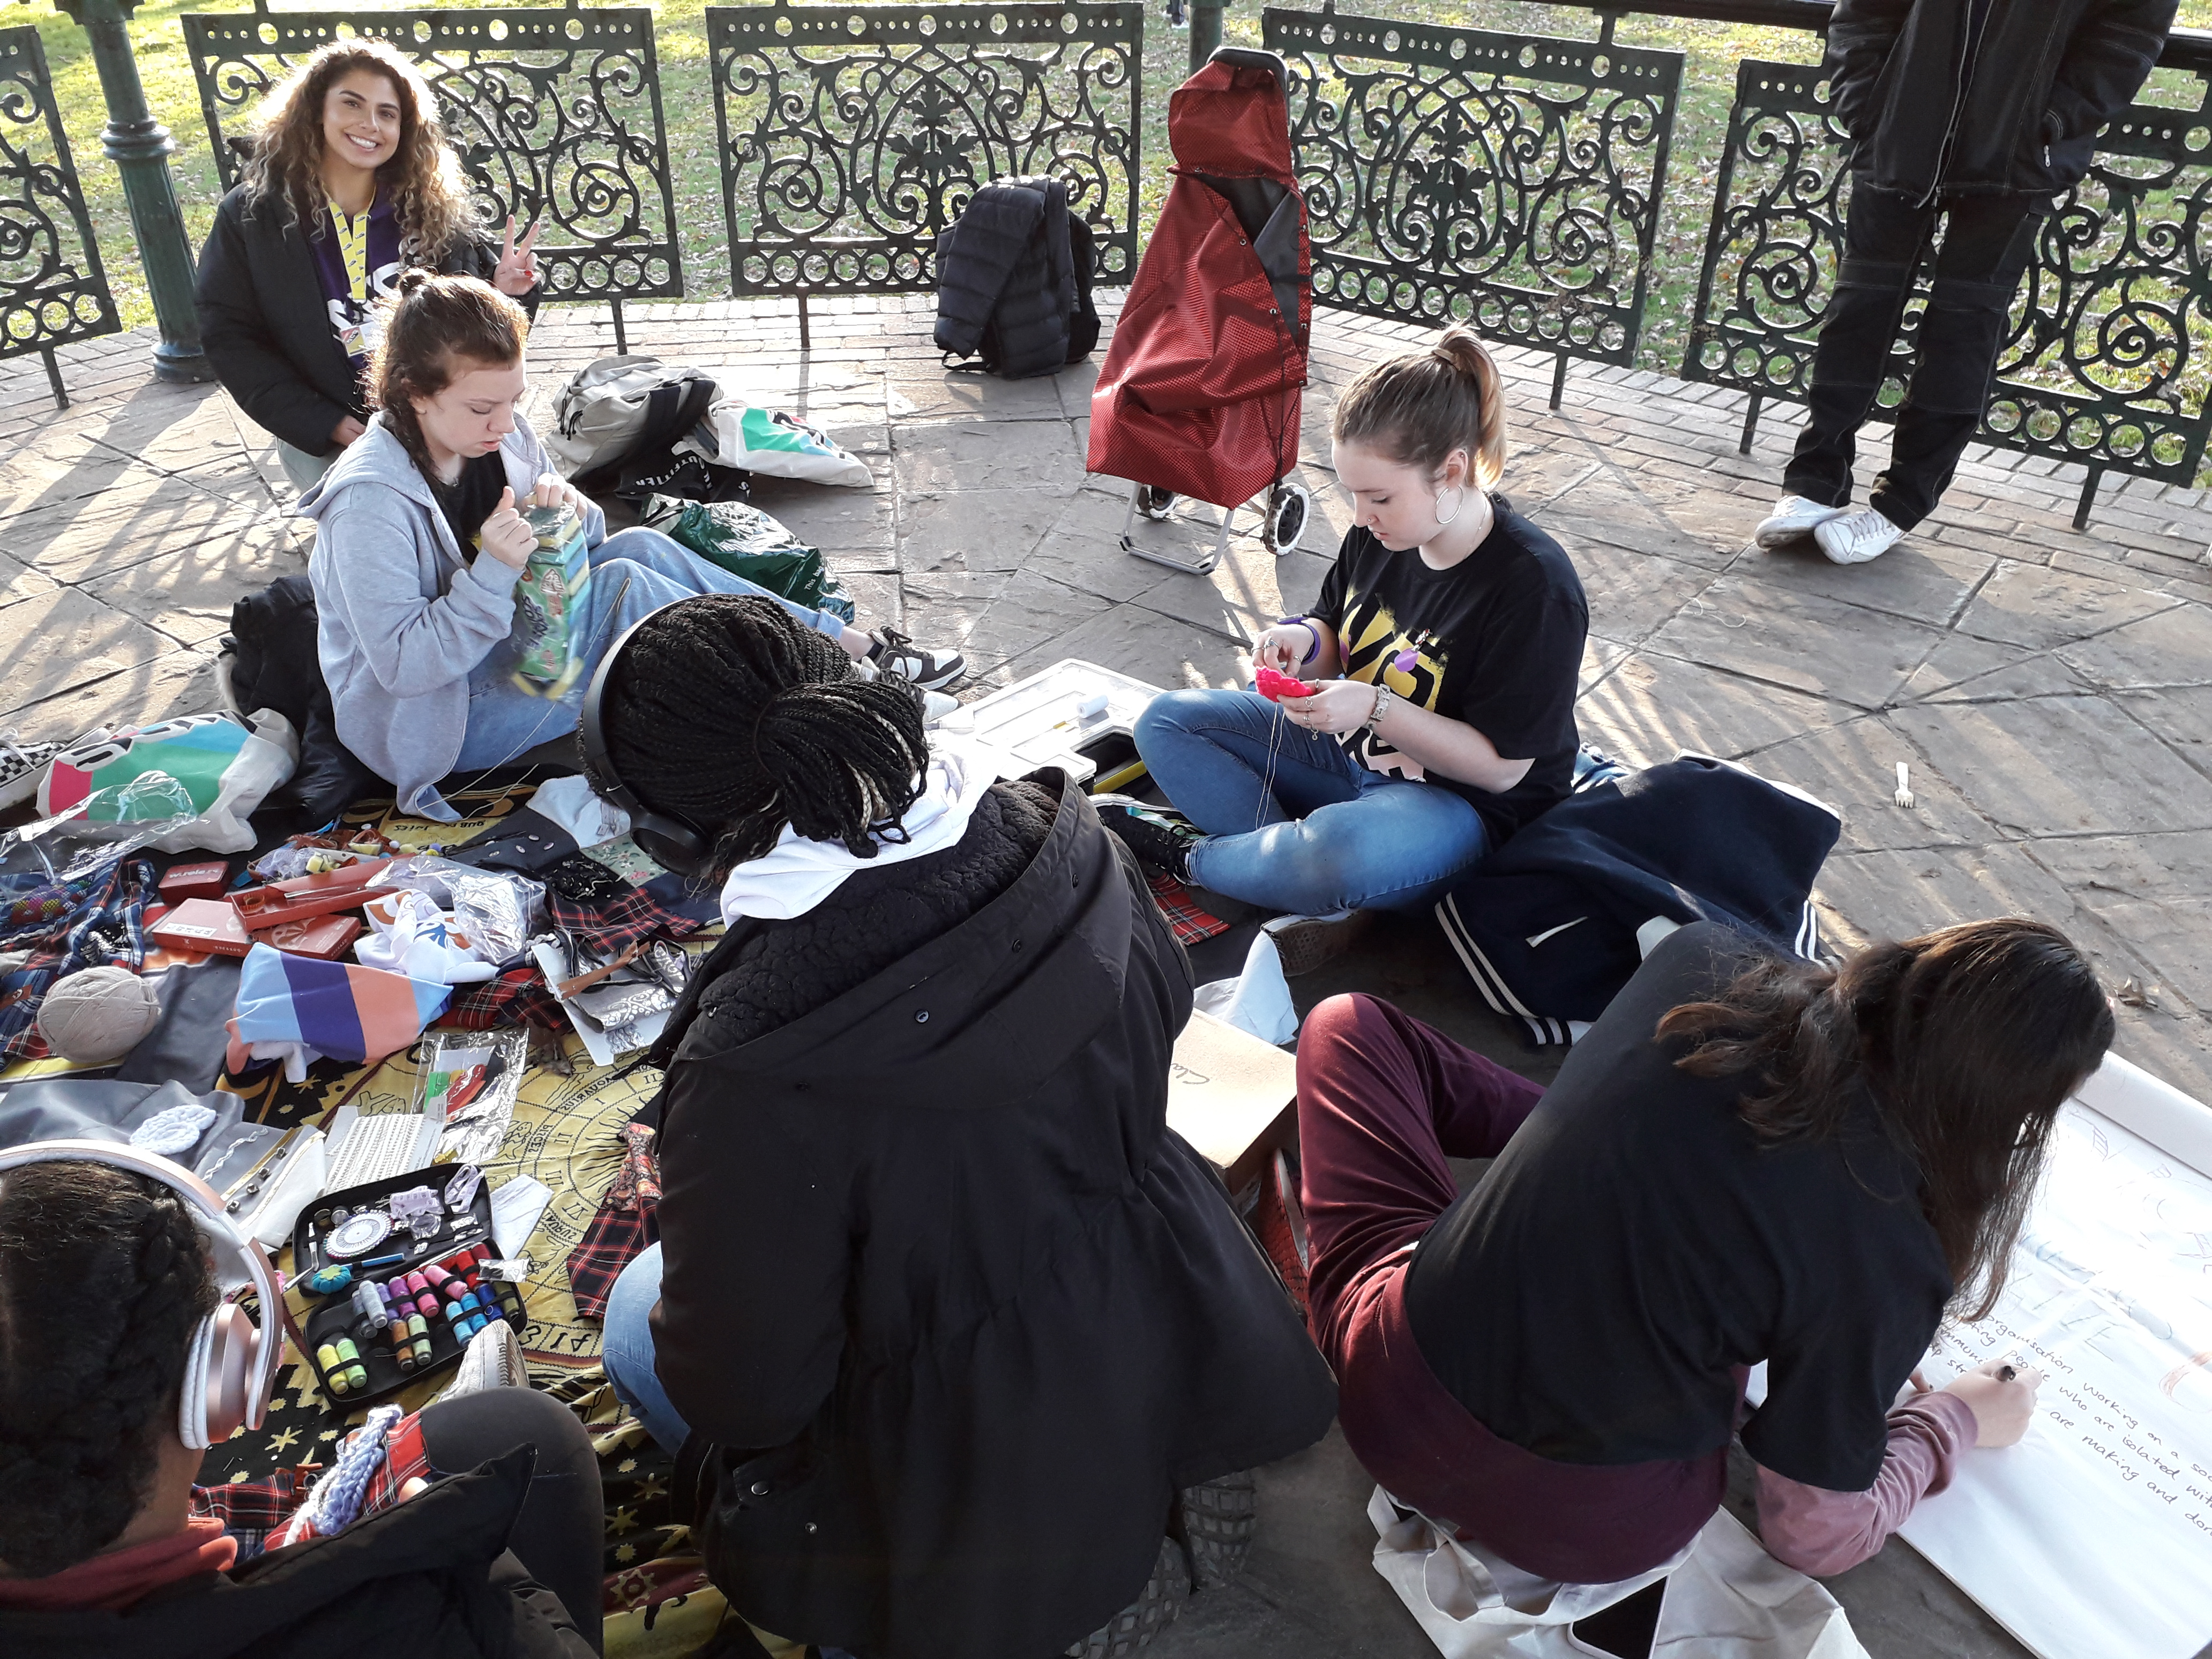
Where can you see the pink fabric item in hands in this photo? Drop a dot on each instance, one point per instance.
(1275, 686)
(1823, 1533)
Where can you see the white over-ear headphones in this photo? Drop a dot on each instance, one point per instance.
(231, 1367)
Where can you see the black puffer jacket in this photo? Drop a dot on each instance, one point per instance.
(2020, 112)
(960, 1311)
(429, 1579)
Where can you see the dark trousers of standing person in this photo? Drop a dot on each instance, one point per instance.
(560, 1533)
(1987, 244)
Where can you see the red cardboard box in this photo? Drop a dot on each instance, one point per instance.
(304, 896)
(209, 879)
(199, 925)
(325, 937)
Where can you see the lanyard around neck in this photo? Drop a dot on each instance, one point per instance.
(353, 244)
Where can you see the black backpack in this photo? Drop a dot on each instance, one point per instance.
(1014, 281)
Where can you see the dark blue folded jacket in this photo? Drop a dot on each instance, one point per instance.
(1548, 926)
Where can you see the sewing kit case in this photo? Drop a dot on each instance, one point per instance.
(367, 1233)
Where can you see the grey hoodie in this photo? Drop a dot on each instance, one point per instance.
(402, 619)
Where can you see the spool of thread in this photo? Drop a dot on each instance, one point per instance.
(356, 1374)
(435, 1274)
(416, 1283)
(371, 1308)
(97, 1015)
(454, 1312)
(334, 1369)
(418, 1331)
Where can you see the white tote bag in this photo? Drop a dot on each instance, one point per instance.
(1726, 1598)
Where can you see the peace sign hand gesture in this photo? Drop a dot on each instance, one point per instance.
(517, 272)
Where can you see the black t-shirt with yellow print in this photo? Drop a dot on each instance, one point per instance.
(1495, 641)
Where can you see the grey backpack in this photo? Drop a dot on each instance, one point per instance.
(615, 406)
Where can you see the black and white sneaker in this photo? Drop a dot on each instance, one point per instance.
(22, 765)
(933, 671)
(1159, 836)
(1305, 943)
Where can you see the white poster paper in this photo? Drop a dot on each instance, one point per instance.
(2093, 1537)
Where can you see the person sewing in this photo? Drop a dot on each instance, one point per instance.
(421, 536)
(108, 1551)
(350, 180)
(1747, 1158)
(1442, 658)
(946, 1311)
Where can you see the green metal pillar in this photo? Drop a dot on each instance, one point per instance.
(1205, 31)
(141, 147)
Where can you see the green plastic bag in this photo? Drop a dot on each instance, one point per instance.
(747, 542)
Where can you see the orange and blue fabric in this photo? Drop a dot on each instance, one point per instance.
(335, 1008)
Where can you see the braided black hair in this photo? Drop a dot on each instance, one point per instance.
(723, 711)
(104, 1277)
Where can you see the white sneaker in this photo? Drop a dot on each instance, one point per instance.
(1793, 516)
(1863, 535)
(493, 1359)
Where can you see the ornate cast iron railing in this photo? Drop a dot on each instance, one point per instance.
(553, 110)
(2110, 345)
(852, 135)
(1508, 181)
(53, 290)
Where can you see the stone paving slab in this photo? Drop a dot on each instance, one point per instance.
(2050, 689)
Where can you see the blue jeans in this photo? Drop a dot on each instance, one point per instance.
(634, 574)
(626, 1350)
(1330, 835)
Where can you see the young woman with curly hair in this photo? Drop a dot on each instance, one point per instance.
(107, 1546)
(351, 182)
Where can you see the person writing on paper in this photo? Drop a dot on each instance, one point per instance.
(1440, 660)
(1747, 1158)
(350, 181)
(422, 537)
(947, 1311)
(108, 1550)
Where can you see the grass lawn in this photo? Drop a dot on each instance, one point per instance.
(1713, 50)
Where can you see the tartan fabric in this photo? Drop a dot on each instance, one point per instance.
(268, 1513)
(1191, 924)
(612, 1243)
(519, 996)
(616, 926)
(101, 917)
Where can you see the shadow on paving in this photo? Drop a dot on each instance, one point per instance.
(2051, 691)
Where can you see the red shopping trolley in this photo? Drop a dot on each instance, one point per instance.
(1200, 395)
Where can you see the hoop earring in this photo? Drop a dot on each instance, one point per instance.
(1460, 491)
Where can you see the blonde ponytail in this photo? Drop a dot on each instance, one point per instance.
(1417, 409)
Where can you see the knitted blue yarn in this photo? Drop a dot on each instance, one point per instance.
(335, 1503)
